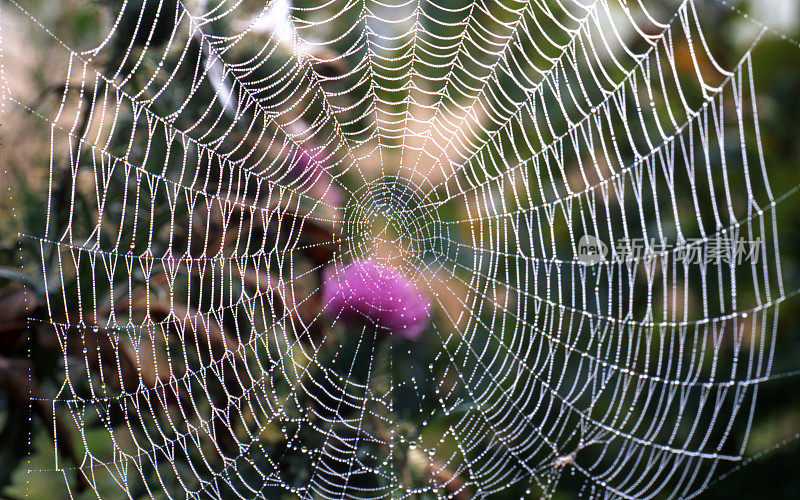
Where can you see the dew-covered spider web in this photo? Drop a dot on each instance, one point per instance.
(577, 187)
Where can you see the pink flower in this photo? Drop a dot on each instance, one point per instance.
(378, 293)
(310, 171)
(306, 166)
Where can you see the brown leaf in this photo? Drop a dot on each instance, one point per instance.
(16, 305)
(441, 477)
(231, 227)
(113, 360)
(327, 62)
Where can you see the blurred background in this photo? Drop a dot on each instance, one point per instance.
(65, 359)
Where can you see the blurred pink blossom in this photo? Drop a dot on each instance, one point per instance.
(310, 170)
(379, 293)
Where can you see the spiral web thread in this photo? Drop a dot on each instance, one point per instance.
(534, 123)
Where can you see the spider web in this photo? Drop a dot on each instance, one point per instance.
(499, 135)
